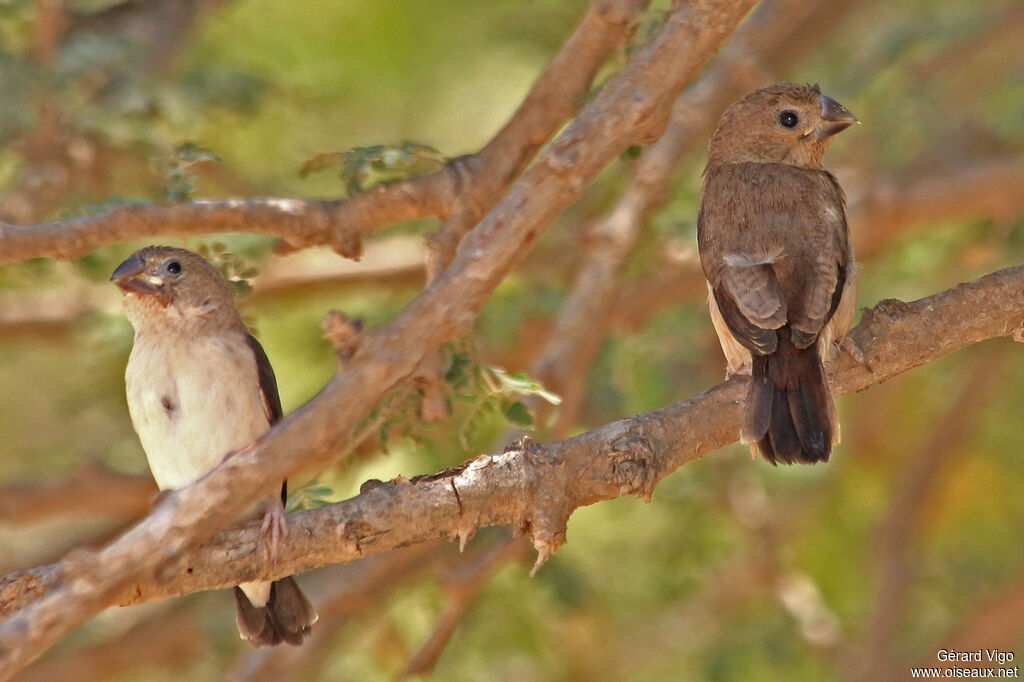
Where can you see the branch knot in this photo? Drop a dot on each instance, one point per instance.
(633, 466)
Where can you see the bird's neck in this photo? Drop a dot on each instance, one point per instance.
(150, 319)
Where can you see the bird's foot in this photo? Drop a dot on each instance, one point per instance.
(274, 527)
(850, 348)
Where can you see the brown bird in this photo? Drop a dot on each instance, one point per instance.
(775, 250)
(200, 386)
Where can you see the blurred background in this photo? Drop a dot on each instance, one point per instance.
(909, 541)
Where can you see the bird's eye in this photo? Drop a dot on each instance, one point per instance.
(173, 267)
(788, 119)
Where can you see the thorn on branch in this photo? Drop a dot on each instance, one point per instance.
(464, 535)
(545, 548)
(343, 333)
(545, 522)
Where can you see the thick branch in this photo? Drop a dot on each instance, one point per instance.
(576, 337)
(885, 211)
(534, 487)
(290, 219)
(476, 180)
(994, 189)
(552, 100)
(631, 109)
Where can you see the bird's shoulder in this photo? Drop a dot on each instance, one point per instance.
(756, 177)
(764, 196)
(267, 381)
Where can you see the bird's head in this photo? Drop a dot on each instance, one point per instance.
(169, 286)
(782, 123)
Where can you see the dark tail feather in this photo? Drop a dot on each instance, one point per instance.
(287, 617)
(789, 406)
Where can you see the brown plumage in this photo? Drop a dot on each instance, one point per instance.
(776, 253)
(200, 386)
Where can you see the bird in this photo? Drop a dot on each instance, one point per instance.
(775, 249)
(200, 386)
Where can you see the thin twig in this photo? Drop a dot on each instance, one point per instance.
(632, 108)
(579, 328)
(461, 587)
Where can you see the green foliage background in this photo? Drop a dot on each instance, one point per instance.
(690, 586)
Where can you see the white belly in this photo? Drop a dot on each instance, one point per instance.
(192, 402)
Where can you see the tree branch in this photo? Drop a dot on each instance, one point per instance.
(535, 487)
(994, 189)
(469, 184)
(884, 211)
(166, 640)
(462, 586)
(632, 108)
(290, 219)
(93, 489)
(579, 328)
(553, 99)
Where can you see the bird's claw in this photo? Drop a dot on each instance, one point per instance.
(274, 527)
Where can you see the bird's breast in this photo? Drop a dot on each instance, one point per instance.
(192, 401)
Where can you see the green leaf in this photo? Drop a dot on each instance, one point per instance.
(522, 384)
(179, 184)
(518, 414)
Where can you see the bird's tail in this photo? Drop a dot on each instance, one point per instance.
(790, 414)
(286, 617)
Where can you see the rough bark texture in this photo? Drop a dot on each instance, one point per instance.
(632, 108)
(579, 328)
(534, 487)
(465, 188)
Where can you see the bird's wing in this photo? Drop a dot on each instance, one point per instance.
(822, 212)
(268, 389)
(268, 383)
(823, 295)
(751, 304)
(756, 220)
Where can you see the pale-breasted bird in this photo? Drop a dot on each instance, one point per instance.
(776, 252)
(200, 386)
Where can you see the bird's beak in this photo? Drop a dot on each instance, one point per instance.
(835, 118)
(131, 277)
